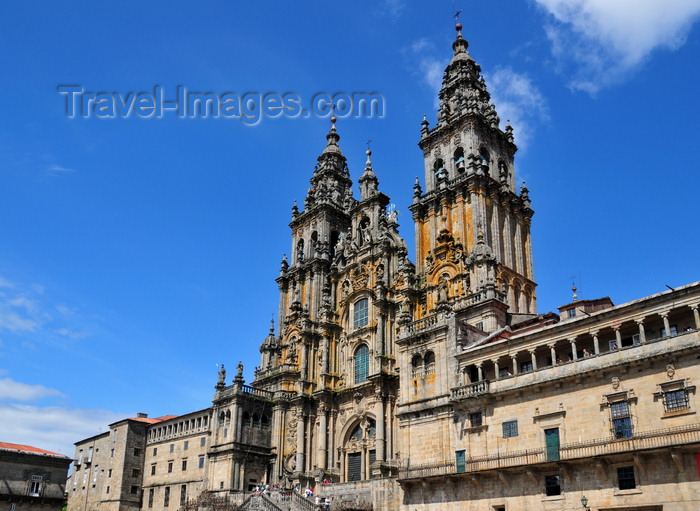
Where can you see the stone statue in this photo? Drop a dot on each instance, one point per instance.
(222, 375)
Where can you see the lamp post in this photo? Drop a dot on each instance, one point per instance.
(584, 503)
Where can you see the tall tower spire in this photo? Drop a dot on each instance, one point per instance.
(470, 188)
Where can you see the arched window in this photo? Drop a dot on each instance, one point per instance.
(485, 156)
(429, 362)
(416, 365)
(313, 244)
(459, 159)
(264, 421)
(300, 251)
(439, 169)
(361, 313)
(361, 363)
(356, 433)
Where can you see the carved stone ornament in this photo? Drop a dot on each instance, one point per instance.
(670, 370)
(616, 382)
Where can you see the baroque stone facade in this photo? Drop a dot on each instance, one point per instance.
(388, 385)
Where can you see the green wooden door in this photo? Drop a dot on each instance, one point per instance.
(551, 437)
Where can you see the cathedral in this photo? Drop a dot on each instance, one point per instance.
(390, 384)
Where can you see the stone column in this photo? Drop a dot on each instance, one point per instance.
(233, 427)
(642, 333)
(533, 358)
(322, 436)
(515, 365)
(618, 336)
(379, 440)
(389, 444)
(553, 354)
(574, 354)
(479, 372)
(495, 367)
(331, 440)
(380, 333)
(596, 343)
(304, 360)
(300, 442)
(667, 326)
(235, 475)
(696, 315)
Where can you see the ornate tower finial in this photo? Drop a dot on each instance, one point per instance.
(368, 180)
(238, 380)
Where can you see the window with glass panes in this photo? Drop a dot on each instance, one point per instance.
(510, 429)
(676, 400)
(622, 422)
(361, 313)
(361, 364)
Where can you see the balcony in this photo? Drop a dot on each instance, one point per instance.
(471, 390)
(655, 439)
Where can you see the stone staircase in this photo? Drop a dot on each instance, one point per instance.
(278, 501)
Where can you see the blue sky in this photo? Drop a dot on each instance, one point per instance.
(137, 253)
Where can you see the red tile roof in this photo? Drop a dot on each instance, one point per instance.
(27, 448)
(155, 420)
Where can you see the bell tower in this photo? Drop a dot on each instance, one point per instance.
(472, 226)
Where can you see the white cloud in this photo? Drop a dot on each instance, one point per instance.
(11, 390)
(52, 428)
(604, 40)
(429, 67)
(517, 100)
(20, 313)
(57, 170)
(394, 7)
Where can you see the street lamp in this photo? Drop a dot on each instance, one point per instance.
(584, 503)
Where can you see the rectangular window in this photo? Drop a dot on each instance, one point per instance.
(676, 400)
(155, 451)
(134, 490)
(526, 367)
(184, 465)
(674, 331)
(625, 478)
(203, 441)
(107, 491)
(461, 461)
(34, 488)
(201, 462)
(475, 419)
(111, 453)
(480, 325)
(151, 492)
(510, 429)
(187, 445)
(166, 497)
(137, 451)
(153, 469)
(183, 494)
(170, 466)
(552, 485)
(109, 473)
(172, 447)
(571, 313)
(89, 460)
(135, 472)
(361, 313)
(622, 422)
